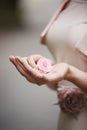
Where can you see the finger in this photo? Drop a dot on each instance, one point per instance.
(35, 74)
(11, 58)
(32, 60)
(20, 68)
(23, 72)
(25, 59)
(32, 71)
(38, 81)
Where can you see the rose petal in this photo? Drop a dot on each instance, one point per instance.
(44, 65)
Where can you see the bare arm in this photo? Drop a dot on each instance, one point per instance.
(77, 77)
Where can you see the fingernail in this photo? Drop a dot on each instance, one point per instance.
(11, 57)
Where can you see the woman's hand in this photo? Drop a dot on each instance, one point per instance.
(27, 66)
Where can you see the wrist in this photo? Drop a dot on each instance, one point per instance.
(70, 73)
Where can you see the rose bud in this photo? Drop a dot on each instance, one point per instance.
(44, 65)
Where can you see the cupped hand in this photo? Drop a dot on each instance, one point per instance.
(27, 66)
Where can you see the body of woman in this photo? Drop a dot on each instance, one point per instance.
(66, 38)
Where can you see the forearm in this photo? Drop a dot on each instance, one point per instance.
(77, 77)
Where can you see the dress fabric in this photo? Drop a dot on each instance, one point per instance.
(67, 40)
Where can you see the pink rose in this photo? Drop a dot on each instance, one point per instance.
(72, 100)
(44, 65)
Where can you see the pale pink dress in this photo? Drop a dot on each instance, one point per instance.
(67, 41)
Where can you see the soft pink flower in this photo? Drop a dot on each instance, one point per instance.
(44, 65)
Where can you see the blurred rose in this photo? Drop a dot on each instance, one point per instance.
(72, 100)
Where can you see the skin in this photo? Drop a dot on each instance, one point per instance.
(60, 71)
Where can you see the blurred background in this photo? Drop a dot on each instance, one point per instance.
(24, 106)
